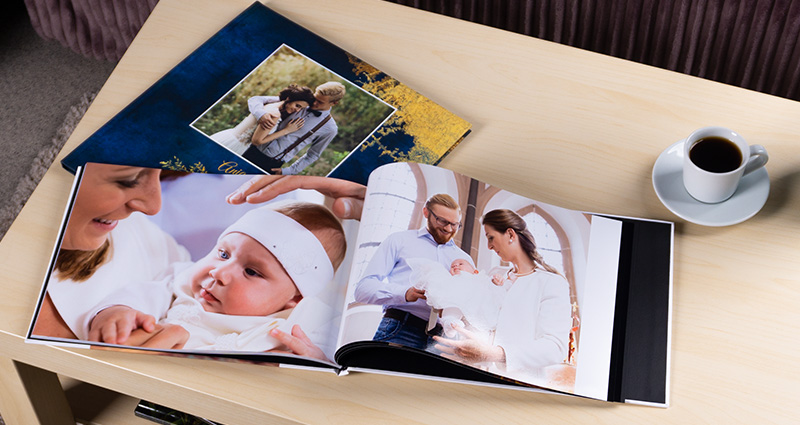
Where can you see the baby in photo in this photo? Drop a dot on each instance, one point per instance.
(263, 273)
(466, 296)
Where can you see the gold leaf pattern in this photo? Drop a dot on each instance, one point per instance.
(175, 164)
(431, 127)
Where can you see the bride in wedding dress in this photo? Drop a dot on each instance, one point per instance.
(291, 99)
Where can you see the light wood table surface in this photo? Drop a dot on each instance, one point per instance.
(557, 124)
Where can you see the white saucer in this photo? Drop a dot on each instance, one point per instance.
(748, 199)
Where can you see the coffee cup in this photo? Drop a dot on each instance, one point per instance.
(714, 161)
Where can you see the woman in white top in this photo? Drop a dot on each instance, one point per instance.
(291, 99)
(107, 243)
(107, 228)
(534, 323)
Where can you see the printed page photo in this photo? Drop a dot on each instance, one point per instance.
(464, 270)
(291, 115)
(433, 274)
(159, 260)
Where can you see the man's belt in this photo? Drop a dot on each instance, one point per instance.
(412, 320)
(406, 317)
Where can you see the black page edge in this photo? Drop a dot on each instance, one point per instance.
(76, 183)
(394, 358)
(639, 366)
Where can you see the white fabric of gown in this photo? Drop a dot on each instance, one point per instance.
(223, 332)
(237, 139)
(171, 301)
(140, 252)
(477, 298)
(533, 326)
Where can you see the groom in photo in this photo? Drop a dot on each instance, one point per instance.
(386, 278)
(318, 130)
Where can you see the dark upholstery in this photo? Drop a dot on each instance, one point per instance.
(101, 29)
(746, 43)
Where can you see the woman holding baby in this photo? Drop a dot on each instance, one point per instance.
(110, 230)
(535, 318)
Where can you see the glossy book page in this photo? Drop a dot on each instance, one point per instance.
(168, 248)
(552, 323)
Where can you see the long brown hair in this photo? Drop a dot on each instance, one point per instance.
(503, 219)
(81, 265)
(294, 92)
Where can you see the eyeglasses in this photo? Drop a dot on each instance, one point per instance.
(444, 223)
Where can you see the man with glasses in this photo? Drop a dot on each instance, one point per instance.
(386, 278)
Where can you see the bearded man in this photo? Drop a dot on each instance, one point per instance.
(386, 278)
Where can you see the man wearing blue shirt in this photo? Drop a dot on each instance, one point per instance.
(386, 278)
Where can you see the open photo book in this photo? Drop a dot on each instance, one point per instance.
(434, 275)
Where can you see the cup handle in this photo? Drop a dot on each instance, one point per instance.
(758, 158)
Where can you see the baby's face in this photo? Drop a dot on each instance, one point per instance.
(458, 266)
(241, 277)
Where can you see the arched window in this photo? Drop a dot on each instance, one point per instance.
(394, 198)
(547, 241)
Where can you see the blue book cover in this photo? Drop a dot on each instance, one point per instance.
(203, 115)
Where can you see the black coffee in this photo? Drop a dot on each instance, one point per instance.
(716, 155)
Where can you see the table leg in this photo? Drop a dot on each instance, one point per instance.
(29, 395)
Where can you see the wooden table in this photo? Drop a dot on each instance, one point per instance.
(557, 124)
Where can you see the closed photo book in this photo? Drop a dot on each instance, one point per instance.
(265, 95)
(422, 272)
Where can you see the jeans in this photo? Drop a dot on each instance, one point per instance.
(400, 332)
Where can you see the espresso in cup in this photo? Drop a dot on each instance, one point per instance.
(715, 159)
(716, 155)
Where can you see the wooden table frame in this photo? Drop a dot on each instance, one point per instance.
(561, 125)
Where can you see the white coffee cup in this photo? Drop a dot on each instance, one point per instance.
(715, 159)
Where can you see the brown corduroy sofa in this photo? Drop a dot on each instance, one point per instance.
(747, 43)
(753, 44)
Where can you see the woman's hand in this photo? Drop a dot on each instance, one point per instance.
(115, 324)
(348, 196)
(262, 135)
(470, 349)
(171, 337)
(298, 343)
(294, 125)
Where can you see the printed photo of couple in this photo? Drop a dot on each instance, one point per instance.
(162, 260)
(292, 116)
(470, 272)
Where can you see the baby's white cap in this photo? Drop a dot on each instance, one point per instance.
(298, 250)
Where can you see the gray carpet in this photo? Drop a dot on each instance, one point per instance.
(42, 84)
(27, 183)
(45, 88)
